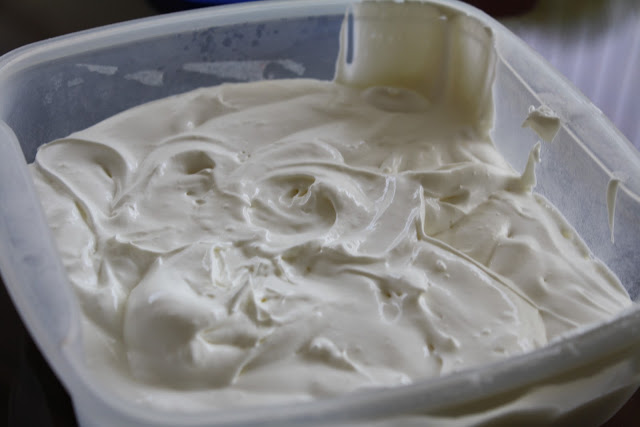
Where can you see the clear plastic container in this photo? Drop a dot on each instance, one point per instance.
(52, 88)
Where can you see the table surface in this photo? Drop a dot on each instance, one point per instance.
(573, 35)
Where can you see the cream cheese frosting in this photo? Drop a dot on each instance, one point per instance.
(289, 240)
(544, 121)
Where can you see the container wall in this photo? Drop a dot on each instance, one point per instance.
(54, 99)
(573, 173)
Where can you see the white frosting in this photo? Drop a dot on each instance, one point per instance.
(543, 121)
(299, 239)
(288, 240)
(612, 193)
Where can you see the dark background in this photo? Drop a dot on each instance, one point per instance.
(30, 394)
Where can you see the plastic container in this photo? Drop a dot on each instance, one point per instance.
(50, 89)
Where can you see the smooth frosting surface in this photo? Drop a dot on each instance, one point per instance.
(288, 240)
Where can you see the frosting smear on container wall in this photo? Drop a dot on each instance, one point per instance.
(296, 239)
